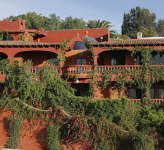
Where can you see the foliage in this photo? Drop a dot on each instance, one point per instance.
(160, 27)
(53, 22)
(4, 35)
(76, 129)
(15, 127)
(53, 137)
(34, 21)
(137, 19)
(142, 142)
(109, 109)
(42, 89)
(130, 118)
(98, 24)
(148, 32)
(73, 23)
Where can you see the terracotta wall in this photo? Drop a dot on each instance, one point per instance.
(33, 135)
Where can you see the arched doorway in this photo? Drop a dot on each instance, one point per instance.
(38, 58)
(111, 58)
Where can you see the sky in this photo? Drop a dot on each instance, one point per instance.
(109, 10)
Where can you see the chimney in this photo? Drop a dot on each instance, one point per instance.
(86, 33)
(77, 35)
(23, 25)
(139, 35)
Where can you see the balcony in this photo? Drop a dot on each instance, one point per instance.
(152, 100)
(34, 69)
(81, 70)
(101, 69)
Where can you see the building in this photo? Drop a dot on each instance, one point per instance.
(110, 56)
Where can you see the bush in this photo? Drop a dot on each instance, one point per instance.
(53, 137)
(130, 119)
(142, 142)
(14, 135)
(110, 109)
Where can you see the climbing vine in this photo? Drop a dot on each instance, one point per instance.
(142, 77)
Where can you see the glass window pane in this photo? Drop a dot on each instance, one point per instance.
(83, 61)
(152, 60)
(157, 59)
(152, 95)
(113, 61)
(138, 94)
(132, 93)
(138, 60)
(161, 93)
(78, 61)
(162, 59)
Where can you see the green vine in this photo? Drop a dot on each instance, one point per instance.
(14, 127)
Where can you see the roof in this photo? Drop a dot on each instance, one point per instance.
(59, 35)
(22, 43)
(132, 42)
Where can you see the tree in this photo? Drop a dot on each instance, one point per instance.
(73, 23)
(101, 24)
(56, 22)
(148, 32)
(35, 21)
(98, 24)
(160, 27)
(137, 20)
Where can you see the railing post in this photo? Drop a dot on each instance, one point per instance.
(60, 67)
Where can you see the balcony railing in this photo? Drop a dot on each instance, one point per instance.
(115, 67)
(34, 69)
(81, 69)
(153, 100)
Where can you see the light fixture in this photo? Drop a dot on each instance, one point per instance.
(77, 81)
(101, 38)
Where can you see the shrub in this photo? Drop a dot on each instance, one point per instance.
(110, 109)
(141, 141)
(14, 135)
(53, 137)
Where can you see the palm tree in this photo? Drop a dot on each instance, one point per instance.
(99, 24)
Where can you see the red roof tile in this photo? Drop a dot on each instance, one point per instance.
(59, 35)
(132, 42)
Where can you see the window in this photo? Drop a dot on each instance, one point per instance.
(135, 93)
(79, 45)
(161, 93)
(118, 58)
(81, 62)
(152, 95)
(54, 61)
(157, 59)
(138, 59)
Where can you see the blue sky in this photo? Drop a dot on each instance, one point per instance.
(109, 10)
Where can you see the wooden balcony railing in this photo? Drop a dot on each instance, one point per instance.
(115, 67)
(81, 69)
(153, 100)
(36, 68)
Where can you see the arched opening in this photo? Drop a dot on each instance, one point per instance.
(38, 58)
(3, 56)
(111, 58)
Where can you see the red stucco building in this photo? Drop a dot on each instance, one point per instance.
(40, 46)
